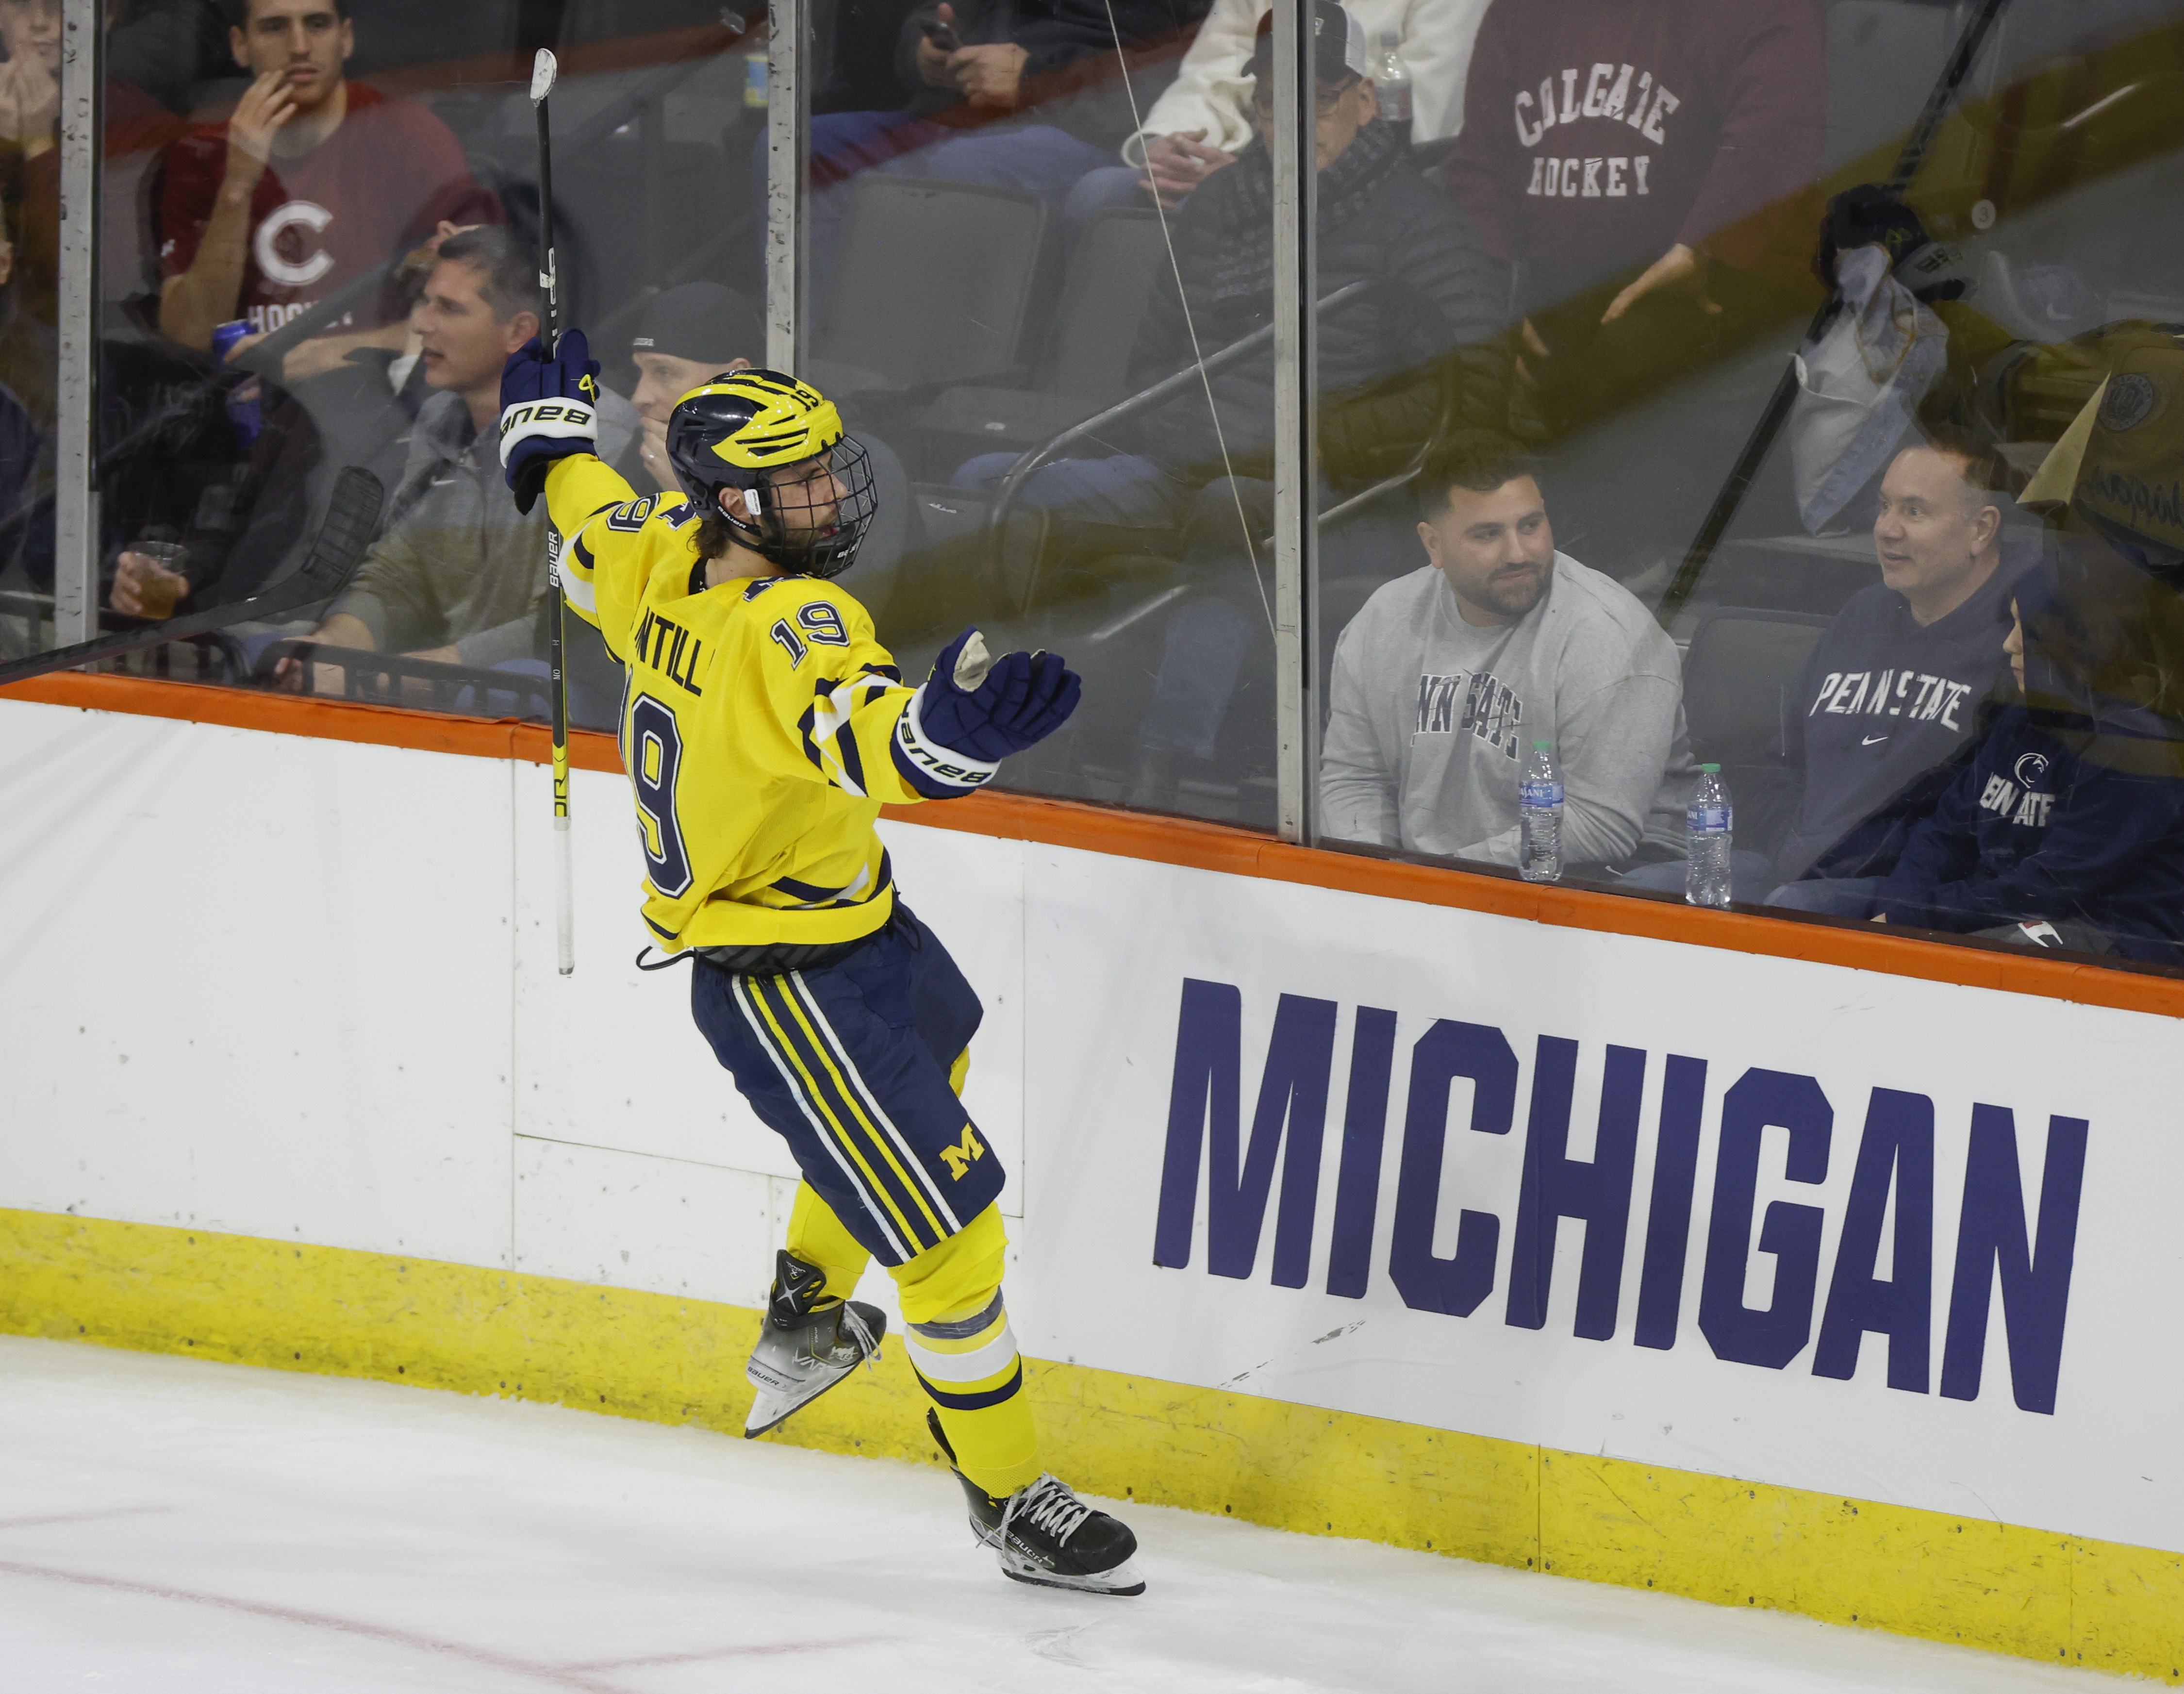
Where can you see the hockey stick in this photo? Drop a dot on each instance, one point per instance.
(352, 514)
(544, 70)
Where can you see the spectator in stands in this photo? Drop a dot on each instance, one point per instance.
(1026, 94)
(1388, 359)
(27, 358)
(2070, 812)
(1447, 675)
(686, 336)
(30, 80)
(1204, 120)
(238, 502)
(459, 576)
(136, 124)
(313, 181)
(1895, 686)
(1641, 163)
(2065, 828)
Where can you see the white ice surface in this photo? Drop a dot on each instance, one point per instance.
(171, 1526)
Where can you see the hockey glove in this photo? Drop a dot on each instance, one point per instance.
(974, 711)
(548, 409)
(1868, 216)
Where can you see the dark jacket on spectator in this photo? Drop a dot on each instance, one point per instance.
(1073, 76)
(1599, 133)
(2050, 819)
(171, 464)
(1883, 700)
(1384, 358)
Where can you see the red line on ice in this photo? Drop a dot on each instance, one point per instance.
(80, 1517)
(763, 1650)
(565, 1678)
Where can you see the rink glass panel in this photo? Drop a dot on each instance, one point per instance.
(971, 294)
(985, 281)
(2048, 189)
(653, 187)
(30, 399)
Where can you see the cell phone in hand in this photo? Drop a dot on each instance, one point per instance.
(941, 34)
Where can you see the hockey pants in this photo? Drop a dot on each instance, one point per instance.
(859, 1067)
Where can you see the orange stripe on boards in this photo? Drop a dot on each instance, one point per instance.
(1183, 842)
(319, 720)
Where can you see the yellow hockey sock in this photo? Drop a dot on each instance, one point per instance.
(959, 1344)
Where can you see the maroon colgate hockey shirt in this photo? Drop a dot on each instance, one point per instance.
(1599, 133)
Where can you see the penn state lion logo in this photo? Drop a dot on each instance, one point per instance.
(2029, 768)
(2132, 399)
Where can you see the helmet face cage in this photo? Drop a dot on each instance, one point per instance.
(810, 521)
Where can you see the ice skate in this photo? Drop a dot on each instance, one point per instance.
(804, 1351)
(1047, 1536)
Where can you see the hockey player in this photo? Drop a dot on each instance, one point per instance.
(763, 726)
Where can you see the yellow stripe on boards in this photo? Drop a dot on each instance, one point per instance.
(2060, 1599)
(881, 1137)
(905, 1231)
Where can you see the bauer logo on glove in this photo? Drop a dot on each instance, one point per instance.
(548, 410)
(974, 711)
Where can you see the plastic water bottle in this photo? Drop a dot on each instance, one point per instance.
(1708, 823)
(1539, 816)
(1391, 85)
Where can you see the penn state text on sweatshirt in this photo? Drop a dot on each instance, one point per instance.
(1882, 701)
(2050, 819)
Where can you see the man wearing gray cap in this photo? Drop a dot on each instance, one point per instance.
(685, 338)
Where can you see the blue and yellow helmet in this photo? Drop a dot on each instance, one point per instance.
(768, 455)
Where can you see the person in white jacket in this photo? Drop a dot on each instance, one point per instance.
(1205, 117)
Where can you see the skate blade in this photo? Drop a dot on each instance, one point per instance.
(772, 1407)
(1123, 1581)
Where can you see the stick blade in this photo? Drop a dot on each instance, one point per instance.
(352, 514)
(544, 70)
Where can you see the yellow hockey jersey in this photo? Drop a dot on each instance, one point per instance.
(762, 725)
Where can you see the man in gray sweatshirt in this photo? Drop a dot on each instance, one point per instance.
(1448, 675)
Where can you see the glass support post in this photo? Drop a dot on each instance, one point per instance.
(788, 152)
(1296, 452)
(75, 504)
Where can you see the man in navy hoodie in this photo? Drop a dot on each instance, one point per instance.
(2065, 829)
(1894, 688)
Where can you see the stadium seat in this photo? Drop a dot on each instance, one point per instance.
(1740, 672)
(1105, 292)
(930, 282)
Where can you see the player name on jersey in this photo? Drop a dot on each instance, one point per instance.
(665, 646)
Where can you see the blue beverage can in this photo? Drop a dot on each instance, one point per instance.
(244, 411)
